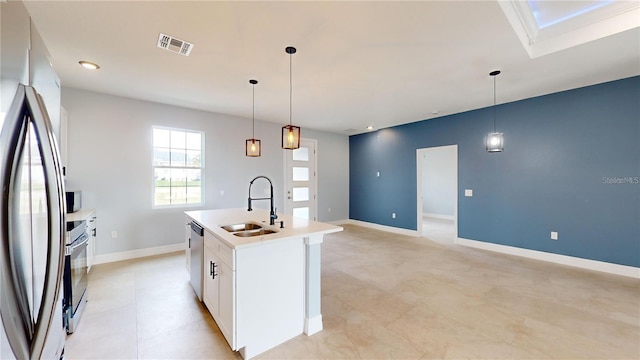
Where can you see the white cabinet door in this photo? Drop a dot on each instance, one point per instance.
(187, 242)
(219, 285)
(226, 303)
(210, 293)
(91, 247)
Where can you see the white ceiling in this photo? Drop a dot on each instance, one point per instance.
(358, 63)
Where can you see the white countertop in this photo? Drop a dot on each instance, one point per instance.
(81, 214)
(212, 220)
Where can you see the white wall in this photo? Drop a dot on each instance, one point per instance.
(439, 180)
(110, 158)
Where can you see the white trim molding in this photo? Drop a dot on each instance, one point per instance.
(313, 325)
(390, 229)
(139, 253)
(338, 222)
(313, 239)
(595, 265)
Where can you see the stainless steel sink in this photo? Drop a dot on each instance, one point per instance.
(247, 229)
(241, 227)
(257, 232)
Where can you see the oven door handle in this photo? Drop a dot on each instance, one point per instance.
(83, 240)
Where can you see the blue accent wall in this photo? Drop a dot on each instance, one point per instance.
(571, 164)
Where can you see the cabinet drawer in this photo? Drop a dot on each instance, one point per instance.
(221, 249)
(226, 254)
(211, 242)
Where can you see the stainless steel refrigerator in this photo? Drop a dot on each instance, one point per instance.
(32, 209)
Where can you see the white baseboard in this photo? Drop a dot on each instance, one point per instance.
(438, 216)
(338, 222)
(390, 229)
(313, 325)
(595, 265)
(134, 254)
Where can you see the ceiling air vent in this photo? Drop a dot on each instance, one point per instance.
(175, 45)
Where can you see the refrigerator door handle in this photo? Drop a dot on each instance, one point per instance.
(55, 210)
(27, 338)
(13, 309)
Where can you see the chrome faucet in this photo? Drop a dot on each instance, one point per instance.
(272, 213)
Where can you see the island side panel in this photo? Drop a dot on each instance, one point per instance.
(270, 294)
(313, 286)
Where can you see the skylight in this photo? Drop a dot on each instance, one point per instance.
(548, 13)
(545, 26)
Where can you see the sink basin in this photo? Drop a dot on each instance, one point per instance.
(247, 229)
(256, 232)
(241, 227)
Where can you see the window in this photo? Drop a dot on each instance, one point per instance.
(178, 166)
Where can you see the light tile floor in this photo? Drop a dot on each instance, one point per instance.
(384, 296)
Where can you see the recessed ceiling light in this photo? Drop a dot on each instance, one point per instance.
(370, 127)
(435, 112)
(89, 65)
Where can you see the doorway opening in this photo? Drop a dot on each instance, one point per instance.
(437, 185)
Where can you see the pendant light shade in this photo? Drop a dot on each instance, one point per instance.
(253, 147)
(494, 140)
(290, 137)
(290, 133)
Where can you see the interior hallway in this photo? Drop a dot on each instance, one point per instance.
(439, 230)
(385, 296)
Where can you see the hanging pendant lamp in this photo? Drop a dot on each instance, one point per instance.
(494, 140)
(290, 133)
(252, 146)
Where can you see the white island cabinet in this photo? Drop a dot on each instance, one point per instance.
(261, 290)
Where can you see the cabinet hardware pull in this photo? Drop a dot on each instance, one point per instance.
(213, 271)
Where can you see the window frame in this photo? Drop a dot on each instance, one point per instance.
(154, 167)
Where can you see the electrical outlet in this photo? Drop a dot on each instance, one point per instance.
(114, 234)
(468, 192)
(377, 173)
(393, 215)
(554, 235)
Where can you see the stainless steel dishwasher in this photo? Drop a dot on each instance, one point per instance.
(196, 247)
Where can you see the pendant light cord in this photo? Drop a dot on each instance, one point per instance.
(290, 90)
(494, 103)
(253, 111)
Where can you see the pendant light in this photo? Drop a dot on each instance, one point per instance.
(495, 140)
(290, 133)
(252, 146)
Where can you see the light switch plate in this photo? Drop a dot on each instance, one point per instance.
(468, 192)
(554, 235)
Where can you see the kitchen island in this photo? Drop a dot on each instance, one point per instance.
(261, 282)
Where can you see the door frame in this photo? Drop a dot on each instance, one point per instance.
(314, 188)
(419, 169)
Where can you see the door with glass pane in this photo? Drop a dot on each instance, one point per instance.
(301, 180)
